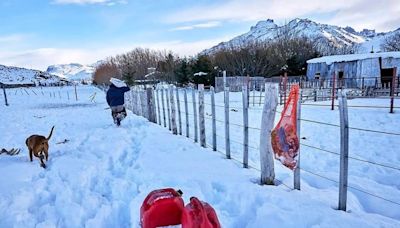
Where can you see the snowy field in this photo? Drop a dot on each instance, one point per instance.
(101, 176)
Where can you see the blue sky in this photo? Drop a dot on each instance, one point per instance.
(37, 33)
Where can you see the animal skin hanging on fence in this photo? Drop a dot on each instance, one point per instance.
(284, 139)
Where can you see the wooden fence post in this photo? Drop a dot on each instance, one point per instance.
(5, 95)
(333, 91)
(196, 136)
(186, 112)
(245, 127)
(279, 90)
(344, 151)
(168, 109)
(178, 104)
(254, 91)
(76, 94)
(227, 139)
(173, 110)
(267, 124)
(296, 174)
(158, 107)
(315, 95)
(151, 110)
(201, 116)
(163, 107)
(284, 87)
(392, 88)
(133, 101)
(214, 125)
(261, 91)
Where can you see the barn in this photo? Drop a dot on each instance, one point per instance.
(367, 69)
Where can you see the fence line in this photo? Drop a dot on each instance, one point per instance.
(37, 91)
(199, 120)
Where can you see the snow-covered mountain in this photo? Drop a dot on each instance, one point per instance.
(339, 36)
(17, 76)
(74, 71)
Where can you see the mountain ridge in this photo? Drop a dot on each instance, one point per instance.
(267, 30)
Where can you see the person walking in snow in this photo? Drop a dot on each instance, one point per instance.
(116, 99)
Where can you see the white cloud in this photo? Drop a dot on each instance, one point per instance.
(356, 13)
(209, 24)
(184, 48)
(13, 38)
(83, 2)
(41, 58)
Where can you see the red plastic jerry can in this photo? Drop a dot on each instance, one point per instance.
(162, 207)
(198, 214)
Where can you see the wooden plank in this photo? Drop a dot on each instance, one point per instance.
(168, 110)
(392, 90)
(296, 174)
(196, 131)
(344, 151)
(158, 106)
(227, 138)
(150, 106)
(173, 110)
(201, 116)
(261, 91)
(254, 91)
(267, 124)
(214, 124)
(163, 107)
(178, 104)
(333, 91)
(186, 112)
(245, 127)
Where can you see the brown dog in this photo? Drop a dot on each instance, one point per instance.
(39, 146)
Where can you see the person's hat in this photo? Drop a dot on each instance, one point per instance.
(117, 82)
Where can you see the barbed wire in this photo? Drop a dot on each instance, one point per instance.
(250, 166)
(237, 142)
(375, 131)
(374, 195)
(352, 157)
(349, 106)
(318, 122)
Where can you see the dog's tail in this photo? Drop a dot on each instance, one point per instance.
(51, 132)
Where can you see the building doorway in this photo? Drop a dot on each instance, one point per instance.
(386, 76)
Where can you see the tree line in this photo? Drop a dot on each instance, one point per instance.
(288, 51)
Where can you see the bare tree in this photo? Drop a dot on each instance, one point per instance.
(105, 71)
(268, 57)
(391, 43)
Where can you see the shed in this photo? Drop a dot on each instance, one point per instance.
(373, 67)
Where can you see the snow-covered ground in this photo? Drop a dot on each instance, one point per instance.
(101, 176)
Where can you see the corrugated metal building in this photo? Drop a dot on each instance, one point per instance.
(352, 68)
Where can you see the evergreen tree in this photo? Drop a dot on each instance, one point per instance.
(183, 71)
(203, 64)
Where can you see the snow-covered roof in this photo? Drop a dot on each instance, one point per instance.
(353, 57)
(200, 73)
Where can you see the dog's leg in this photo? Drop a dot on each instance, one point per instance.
(46, 153)
(42, 162)
(41, 157)
(30, 155)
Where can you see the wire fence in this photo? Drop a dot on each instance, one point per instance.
(187, 108)
(56, 92)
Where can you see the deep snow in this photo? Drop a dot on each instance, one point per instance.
(101, 176)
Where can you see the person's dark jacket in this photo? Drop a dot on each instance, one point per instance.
(115, 95)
